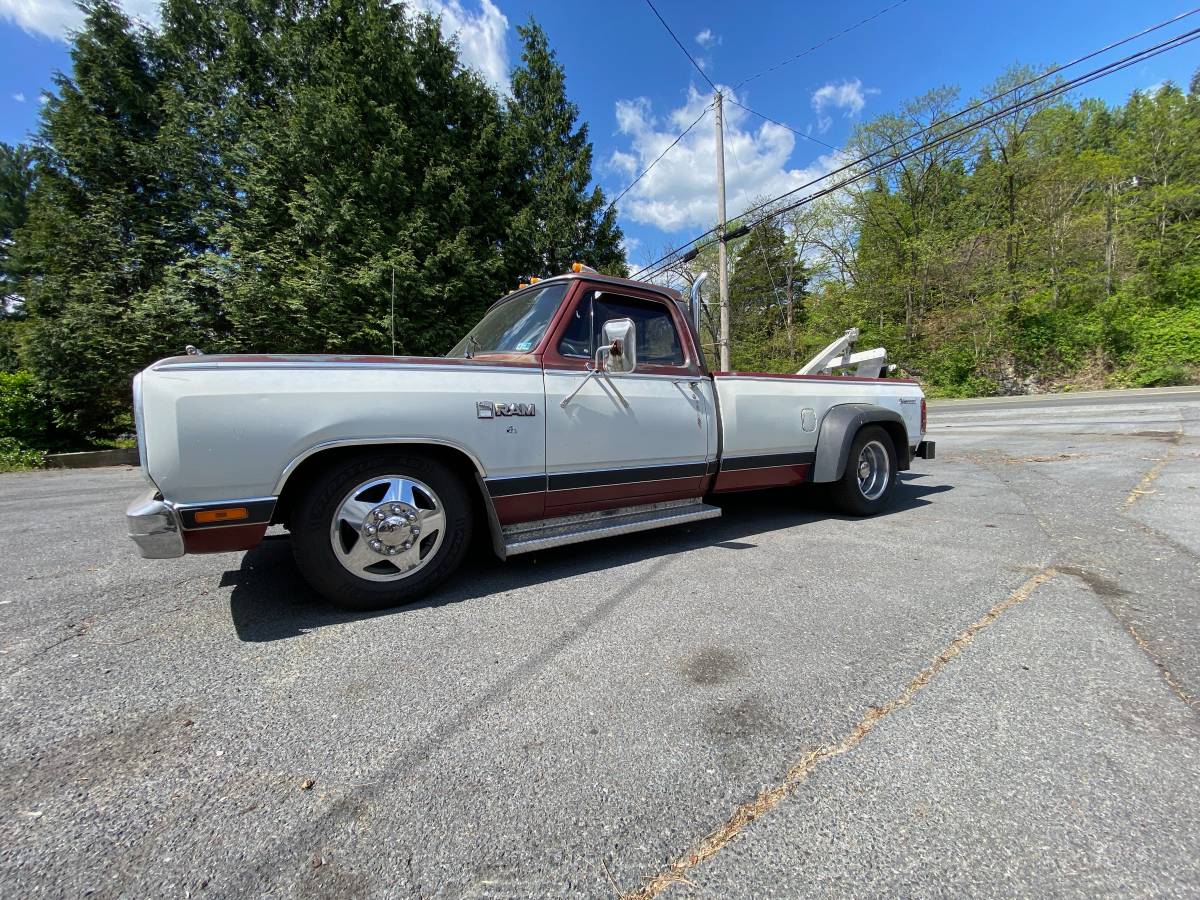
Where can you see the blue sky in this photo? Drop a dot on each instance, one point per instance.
(637, 90)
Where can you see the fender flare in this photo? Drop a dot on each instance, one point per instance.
(838, 429)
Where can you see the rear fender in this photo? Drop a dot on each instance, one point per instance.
(838, 429)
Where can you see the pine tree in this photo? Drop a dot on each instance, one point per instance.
(378, 154)
(100, 228)
(561, 221)
(16, 182)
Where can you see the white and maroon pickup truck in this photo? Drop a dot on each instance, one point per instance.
(579, 407)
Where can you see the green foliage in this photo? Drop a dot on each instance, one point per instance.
(766, 294)
(10, 344)
(24, 415)
(1166, 346)
(16, 457)
(16, 182)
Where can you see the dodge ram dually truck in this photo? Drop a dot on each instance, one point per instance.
(579, 407)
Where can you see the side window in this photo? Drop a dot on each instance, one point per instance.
(577, 338)
(657, 340)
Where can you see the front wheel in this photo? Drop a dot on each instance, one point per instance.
(867, 485)
(382, 530)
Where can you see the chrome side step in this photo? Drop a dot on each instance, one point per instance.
(527, 537)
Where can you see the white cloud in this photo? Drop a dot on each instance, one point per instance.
(847, 95)
(480, 36)
(706, 38)
(44, 99)
(19, 97)
(629, 246)
(56, 18)
(680, 192)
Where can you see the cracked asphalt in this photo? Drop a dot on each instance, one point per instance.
(577, 721)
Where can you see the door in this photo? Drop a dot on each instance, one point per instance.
(625, 439)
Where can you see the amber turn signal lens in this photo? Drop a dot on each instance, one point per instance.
(232, 514)
(576, 267)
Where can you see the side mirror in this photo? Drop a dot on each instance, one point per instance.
(618, 356)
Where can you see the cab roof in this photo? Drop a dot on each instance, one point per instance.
(668, 293)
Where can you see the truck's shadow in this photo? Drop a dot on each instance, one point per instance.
(271, 602)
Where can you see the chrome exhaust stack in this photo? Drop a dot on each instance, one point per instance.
(696, 301)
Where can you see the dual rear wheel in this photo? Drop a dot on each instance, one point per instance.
(866, 486)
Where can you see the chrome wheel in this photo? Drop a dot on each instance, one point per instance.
(874, 470)
(388, 528)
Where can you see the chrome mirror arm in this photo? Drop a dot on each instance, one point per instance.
(592, 373)
(596, 371)
(612, 384)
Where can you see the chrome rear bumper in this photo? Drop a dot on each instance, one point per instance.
(154, 526)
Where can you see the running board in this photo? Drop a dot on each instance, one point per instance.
(527, 537)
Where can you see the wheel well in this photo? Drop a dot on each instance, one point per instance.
(305, 474)
(899, 435)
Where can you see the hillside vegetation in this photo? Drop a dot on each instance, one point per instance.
(1058, 248)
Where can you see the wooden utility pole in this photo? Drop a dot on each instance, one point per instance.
(722, 253)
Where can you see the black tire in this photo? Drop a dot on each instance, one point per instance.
(848, 493)
(313, 524)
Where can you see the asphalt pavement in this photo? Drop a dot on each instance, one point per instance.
(993, 689)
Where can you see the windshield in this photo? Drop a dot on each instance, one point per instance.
(514, 325)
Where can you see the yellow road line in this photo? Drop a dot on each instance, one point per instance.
(767, 799)
(1147, 480)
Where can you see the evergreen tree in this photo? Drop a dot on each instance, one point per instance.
(561, 220)
(100, 230)
(378, 154)
(16, 182)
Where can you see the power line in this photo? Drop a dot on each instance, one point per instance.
(1153, 50)
(1086, 78)
(1064, 87)
(1053, 70)
(828, 40)
(646, 171)
(784, 125)
(703, 74)
(1053, 92)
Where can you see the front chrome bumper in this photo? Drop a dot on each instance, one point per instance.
(154, 526)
